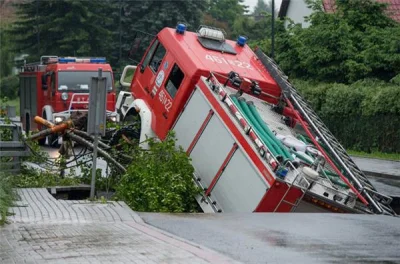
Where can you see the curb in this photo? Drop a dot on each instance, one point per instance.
(198, 250)
(381, 175)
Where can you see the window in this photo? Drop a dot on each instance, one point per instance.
(157, 58)
(53, 81)
(150, 53)
(80, 81)
(174, 81)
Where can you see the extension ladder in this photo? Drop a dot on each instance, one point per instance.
(378, 201)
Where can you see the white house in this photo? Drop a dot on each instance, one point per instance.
(297, 10)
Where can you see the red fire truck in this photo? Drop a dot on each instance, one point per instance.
(255, 143)
(56, 87)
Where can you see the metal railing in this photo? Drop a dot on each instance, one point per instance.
(11, 146)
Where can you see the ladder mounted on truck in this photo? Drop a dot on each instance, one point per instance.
(352, 175)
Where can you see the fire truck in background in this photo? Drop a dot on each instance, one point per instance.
(57, 87)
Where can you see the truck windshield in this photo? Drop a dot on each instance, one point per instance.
(79, 81)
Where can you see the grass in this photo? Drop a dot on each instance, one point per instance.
(128, 77)
(7, 197)
(375, 155)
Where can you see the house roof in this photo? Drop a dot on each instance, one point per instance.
(393, 8)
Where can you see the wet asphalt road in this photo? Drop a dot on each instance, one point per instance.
(289, 238)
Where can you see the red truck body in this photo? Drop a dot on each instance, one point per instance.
(230, 115)
(56, 87)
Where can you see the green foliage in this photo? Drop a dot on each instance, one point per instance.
(9, 87)
(364, 116)
(262, 7)
(375, 155)
(62, 27)
(356, 42)
(159, 180)
(226, 10)
(6, 55)
(7, 195)
(151, 16)
(29, 178)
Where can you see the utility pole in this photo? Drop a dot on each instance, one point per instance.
(96, 118)
(120, 31)
(273, 29)
(37, 26)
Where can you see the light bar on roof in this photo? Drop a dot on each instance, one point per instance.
(82, 60)
(211, 33)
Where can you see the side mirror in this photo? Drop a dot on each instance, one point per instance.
(141, 66)
(131, 69)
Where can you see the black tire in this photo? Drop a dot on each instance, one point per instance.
(42, 141)
(50, 138)
(131, 131)
(53, 141)
(27, 124)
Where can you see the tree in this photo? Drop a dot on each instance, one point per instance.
(262, 7)
(224, 14)
(150, 16)
(357, 41)
(6, 55)
(62, 27)
(226, 10)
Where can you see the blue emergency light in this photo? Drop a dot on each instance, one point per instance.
(180, 28)
(87, 60)
(241, 41)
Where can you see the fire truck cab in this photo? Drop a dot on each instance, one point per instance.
(56, 87)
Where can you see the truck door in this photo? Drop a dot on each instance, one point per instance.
(168, 82)
(148, 69)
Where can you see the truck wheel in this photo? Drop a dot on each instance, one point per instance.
(53, 141)
(50, 138)
(130, 132)
(27, 124)
(42, 141)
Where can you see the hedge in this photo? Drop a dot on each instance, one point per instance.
(364, 116)
(9, 87)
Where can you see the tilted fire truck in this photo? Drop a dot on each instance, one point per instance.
(255, 143)
(57, 87)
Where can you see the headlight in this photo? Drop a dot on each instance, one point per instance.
(113, 119)
(64, 96)
(58, 119)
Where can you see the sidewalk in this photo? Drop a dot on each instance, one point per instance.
(378, 167)
(46, 230)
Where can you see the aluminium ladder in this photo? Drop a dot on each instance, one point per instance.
(379, 202)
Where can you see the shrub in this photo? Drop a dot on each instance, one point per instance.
(7, 195)
(9, 87)
(159, 179)
(363, 116)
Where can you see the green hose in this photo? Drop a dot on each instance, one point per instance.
(261, 122)
(331, 173)
(302, 138)
(334, 179)
(255, 122)
(327, 152)
(302, 157)
(263, 137)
